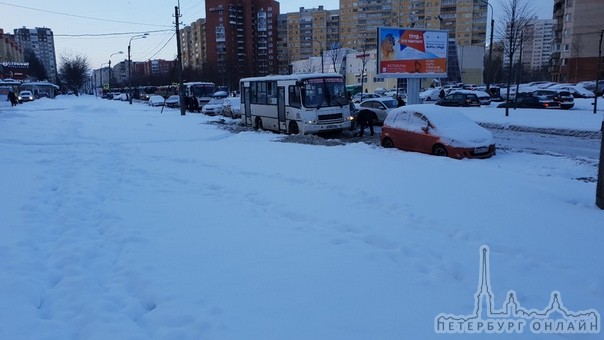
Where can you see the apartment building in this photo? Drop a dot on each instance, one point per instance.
(311, 32)
(41, 41)
(577, 29)
(241, 39)
(10, 49)
(465, 20)
(193, 45)
(537, 46)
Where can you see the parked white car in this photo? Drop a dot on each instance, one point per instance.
(213, 107)
(156, 100)
(173, 101)
(380, 106)
(429, 95)
(231, 107)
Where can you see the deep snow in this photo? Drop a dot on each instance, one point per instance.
(121, 222)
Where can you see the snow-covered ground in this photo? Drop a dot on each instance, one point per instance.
(121, 222)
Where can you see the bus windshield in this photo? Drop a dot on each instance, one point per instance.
(202, 90)
(324, 92)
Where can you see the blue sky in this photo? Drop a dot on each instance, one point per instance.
(82, 27)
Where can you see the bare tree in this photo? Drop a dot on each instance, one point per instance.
(335, 55)
(364, 56)
(517, 16)
(74, 71)
(577, 46)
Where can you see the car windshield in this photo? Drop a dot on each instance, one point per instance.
(203, 90)
(216, 101)
(324, 92)
(391, 104)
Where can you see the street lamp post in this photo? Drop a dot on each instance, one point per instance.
(490, 67)
(140, 36)
(321, 45)
(109, 82)
(600, 184)
(101, 79)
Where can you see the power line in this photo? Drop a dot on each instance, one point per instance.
(107, 34)
(81, 16)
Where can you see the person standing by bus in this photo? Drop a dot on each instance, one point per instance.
(365, 119)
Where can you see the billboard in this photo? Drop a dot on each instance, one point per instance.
(411, 53)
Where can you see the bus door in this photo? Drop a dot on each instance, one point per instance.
(281, 108)
(247, 97)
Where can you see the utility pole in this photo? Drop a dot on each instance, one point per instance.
(600, 185)
(598, 73)
(181, 94)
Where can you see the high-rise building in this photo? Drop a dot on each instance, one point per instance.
(538, 48)
(193, 49)
(311, 32)
(359, 20)
(10, 49)
(536, 45)
(241, 39)
(578, 24)
(41, 42)
(464, 20)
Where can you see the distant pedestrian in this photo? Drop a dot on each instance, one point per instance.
(12, 97)
(442, 94)
(366, 118)
(400, 101)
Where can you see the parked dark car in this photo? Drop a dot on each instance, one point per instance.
(563, 97)
(459, 98)
(527, 100)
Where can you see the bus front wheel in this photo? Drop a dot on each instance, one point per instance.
(293, 128)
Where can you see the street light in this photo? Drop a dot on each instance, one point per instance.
(109, 82)
(600, 183)
(140, 36)
(321, 45)
(490, 68)
(101, 79)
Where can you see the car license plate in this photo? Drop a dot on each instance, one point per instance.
(483, 149)
(331, 127)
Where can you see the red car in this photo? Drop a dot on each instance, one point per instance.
(436, 130)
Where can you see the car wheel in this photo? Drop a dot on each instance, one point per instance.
(387, 143)
(293, 128)
(439, 150)
(259, 124)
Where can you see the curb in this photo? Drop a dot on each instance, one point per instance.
(550, 131)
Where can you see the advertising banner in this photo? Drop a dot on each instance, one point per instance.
(412, 53)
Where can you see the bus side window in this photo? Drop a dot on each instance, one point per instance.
(271, 92)
(294, 99)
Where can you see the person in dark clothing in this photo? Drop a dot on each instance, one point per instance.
(12, 97)
(366, 118)
(194, 105)
(400, 101)
(442, 94)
